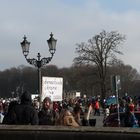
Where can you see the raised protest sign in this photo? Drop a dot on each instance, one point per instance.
(52, 87)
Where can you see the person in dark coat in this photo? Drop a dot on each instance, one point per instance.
(130, 120)
(47, 115)
(23, 113)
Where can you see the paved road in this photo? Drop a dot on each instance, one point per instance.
(99, 121)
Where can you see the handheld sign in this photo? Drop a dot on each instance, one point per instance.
(52, 87)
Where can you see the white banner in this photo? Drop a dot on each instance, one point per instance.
(52, 87)
(77, 94)
(33, 96)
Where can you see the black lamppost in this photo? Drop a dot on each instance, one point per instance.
(39, 62)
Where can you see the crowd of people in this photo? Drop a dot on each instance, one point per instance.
(128, 106)
(69, 112)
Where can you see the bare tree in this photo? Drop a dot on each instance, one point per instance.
(100, 50)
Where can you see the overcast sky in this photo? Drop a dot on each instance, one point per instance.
(71, 22)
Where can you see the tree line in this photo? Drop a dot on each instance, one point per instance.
(81, 78)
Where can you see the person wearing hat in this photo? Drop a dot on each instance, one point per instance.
(47, 114)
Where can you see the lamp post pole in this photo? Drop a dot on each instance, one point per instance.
(39, 75)
(39, 62)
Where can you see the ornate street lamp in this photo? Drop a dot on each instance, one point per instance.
(39, 62)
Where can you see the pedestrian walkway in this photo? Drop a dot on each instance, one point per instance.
(99, 119)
